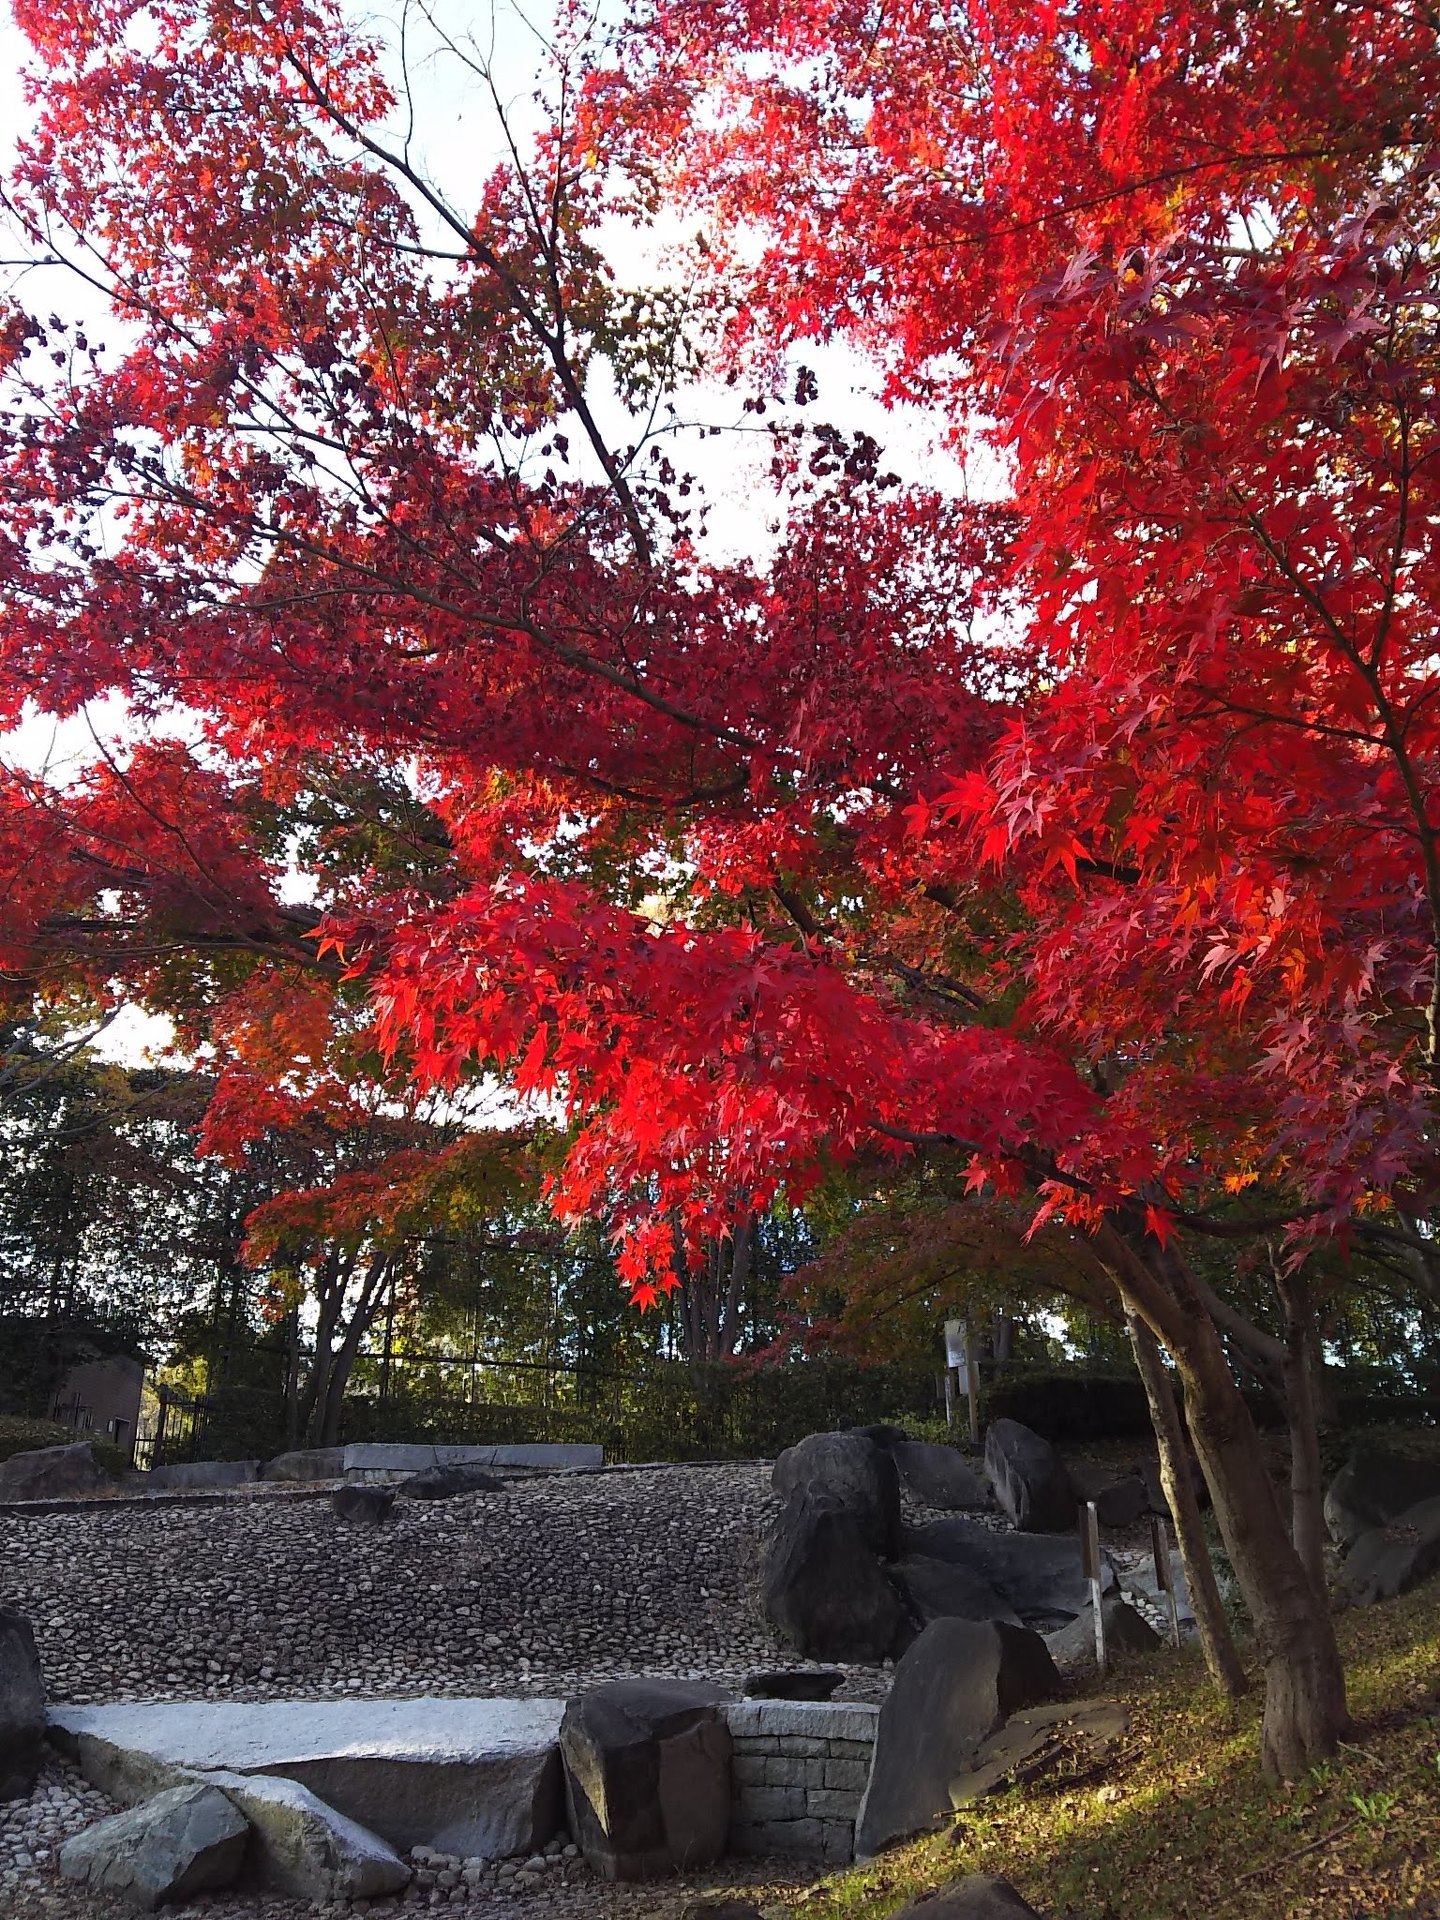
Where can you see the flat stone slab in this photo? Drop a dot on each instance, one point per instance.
(203, 1473)
(473, 1777)
(373, 1456)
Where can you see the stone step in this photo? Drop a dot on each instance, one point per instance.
(372, 1457)
(465, 1776)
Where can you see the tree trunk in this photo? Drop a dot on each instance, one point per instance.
(331, 1279)
(1002, 1340)
(1305, 1711)
(337, 1379)
(709, 1299)
(1216, 1640)
(292, 1379)
(1307, 1492)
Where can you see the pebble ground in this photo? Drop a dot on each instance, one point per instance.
(547, 1587)
(551, 1584)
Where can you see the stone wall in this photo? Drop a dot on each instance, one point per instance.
(799, 1771)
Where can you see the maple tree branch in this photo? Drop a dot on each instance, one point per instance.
(941, 985)
(1242, 163)
(552, 341)
(924, 980)
(1393, 734)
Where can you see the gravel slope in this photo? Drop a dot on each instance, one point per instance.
(537, 1589)
(548, 1586)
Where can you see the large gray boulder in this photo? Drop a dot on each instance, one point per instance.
(1126, 1631)
(1392, 1559)
(850, 1468)
(822, 1588)
(647, 1777)
(309, 1464)
(1039, 1577)
(1376, 1485)
(1029, 1477)
(444, 1483)
(980, 1897)
(53, 1473)
(22, 1707)
(1118, 1502)
(185, 1841)
(937, 1476)
(197, 1475)
(956, 1686)
(946, 1590)
(305, 1848)
(363, 1506)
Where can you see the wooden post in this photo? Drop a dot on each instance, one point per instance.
(972, 1384)
(1090, 1564)
(949, 1398)
(1164, 1573)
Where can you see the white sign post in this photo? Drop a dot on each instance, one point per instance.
(1090, 1564)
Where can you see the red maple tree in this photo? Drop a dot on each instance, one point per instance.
(1088, 833)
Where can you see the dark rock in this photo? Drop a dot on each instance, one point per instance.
(822, 1588)
(185, 1841)
(647, 1777)
(883, 1435)
(1040, 1578)
(723, 1908)
(52, 1473)
(1392, 1559)
(1374, 1486)
(363, 1506)
(444, 1483)
(1123, 1503)
(792, 1683)
(201, 1474)
(1155, 1493)
(1126, 1631)
(946, 1590)
(1118, 1503)
(1029, 1477)
(939, 1476)
(22, 1708)
(1036, 1741)
(978, 1898)
(956, 1686)
(310, 1463)
(851, 1469)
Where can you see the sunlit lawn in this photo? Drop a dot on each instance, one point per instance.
(1182, 1824)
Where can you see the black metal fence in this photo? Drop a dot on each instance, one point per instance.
(666, 1410)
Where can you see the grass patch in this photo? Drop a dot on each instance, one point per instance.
(1182, 1825)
